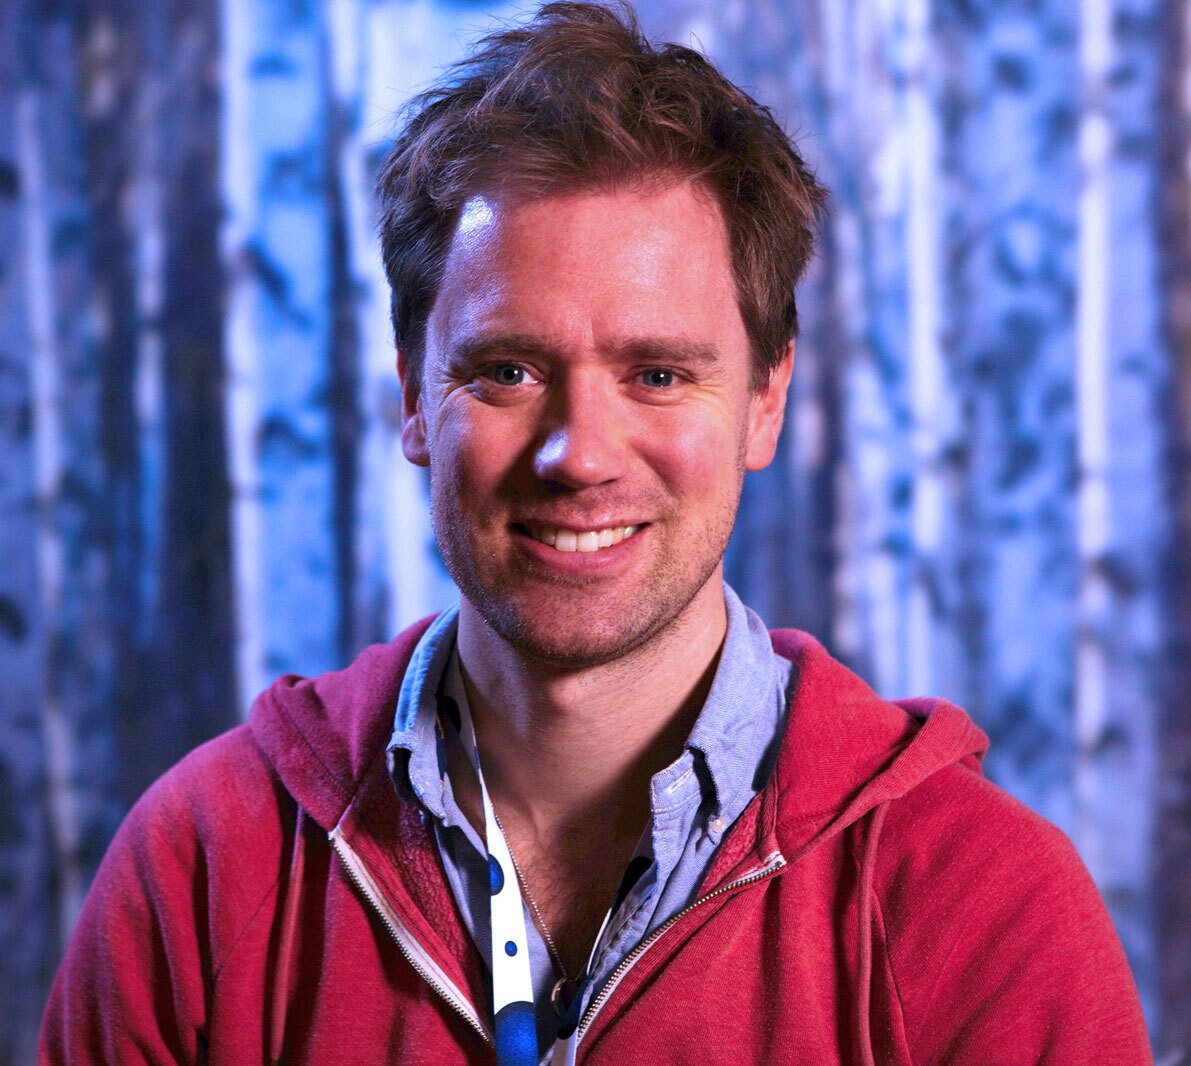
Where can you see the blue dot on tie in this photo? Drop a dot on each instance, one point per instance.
(510, 948)
(496, 876)
(516, 1035)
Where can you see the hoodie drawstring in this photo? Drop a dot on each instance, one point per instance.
(865, 977)
(279, 1006)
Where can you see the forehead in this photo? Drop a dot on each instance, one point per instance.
(591, 267)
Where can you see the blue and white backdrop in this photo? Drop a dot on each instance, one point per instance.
(983, 491)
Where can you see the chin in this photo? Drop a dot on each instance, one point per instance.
(568, 650)
(564, 635)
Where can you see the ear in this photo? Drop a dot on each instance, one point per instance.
(767, 408)
(413, 417)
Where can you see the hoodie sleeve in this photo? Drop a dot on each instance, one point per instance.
(997, 944)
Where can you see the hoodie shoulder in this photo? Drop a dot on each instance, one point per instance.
(193, 858)
(957, 832)
(992, 924)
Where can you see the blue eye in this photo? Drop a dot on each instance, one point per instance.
(508, 374)
(658, 378)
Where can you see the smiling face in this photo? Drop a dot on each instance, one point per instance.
(586, 415)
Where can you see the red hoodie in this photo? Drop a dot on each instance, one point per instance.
(272, 899)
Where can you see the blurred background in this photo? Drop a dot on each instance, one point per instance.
(983, 489)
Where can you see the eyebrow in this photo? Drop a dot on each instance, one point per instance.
(679, 351)
(478, 346)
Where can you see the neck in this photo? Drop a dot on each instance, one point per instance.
(563, 747)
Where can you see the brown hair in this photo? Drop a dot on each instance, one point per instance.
(578, 98)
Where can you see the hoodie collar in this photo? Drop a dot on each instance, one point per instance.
(845, 750)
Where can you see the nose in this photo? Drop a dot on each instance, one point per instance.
(584, 439)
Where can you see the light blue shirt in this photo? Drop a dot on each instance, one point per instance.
(693, 801)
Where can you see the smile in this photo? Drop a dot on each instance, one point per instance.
(569, 540)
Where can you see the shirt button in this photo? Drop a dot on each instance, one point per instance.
(716, 825)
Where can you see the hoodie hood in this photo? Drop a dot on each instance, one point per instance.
(845, 751)
(323, 734)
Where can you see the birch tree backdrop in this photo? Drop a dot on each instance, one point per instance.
(984, 489)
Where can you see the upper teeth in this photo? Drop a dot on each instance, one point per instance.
(567, 540)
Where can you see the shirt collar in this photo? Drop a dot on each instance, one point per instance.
(748, 680)
(417, 708)
(746, 683)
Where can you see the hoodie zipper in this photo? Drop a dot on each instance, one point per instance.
(414, 953)
(433, 975)
(772, 865)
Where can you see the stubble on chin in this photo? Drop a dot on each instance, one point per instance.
(574, 638)
(550, 620)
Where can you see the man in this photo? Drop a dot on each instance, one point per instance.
(596, 813)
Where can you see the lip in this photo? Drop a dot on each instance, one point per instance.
(606, 560)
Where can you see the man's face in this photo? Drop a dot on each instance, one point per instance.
(586, 415)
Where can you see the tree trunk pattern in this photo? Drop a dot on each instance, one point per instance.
(983, 490)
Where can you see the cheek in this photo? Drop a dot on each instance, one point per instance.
(473, 449)
(697, 454)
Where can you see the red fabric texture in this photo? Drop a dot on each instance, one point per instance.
(921, 914)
